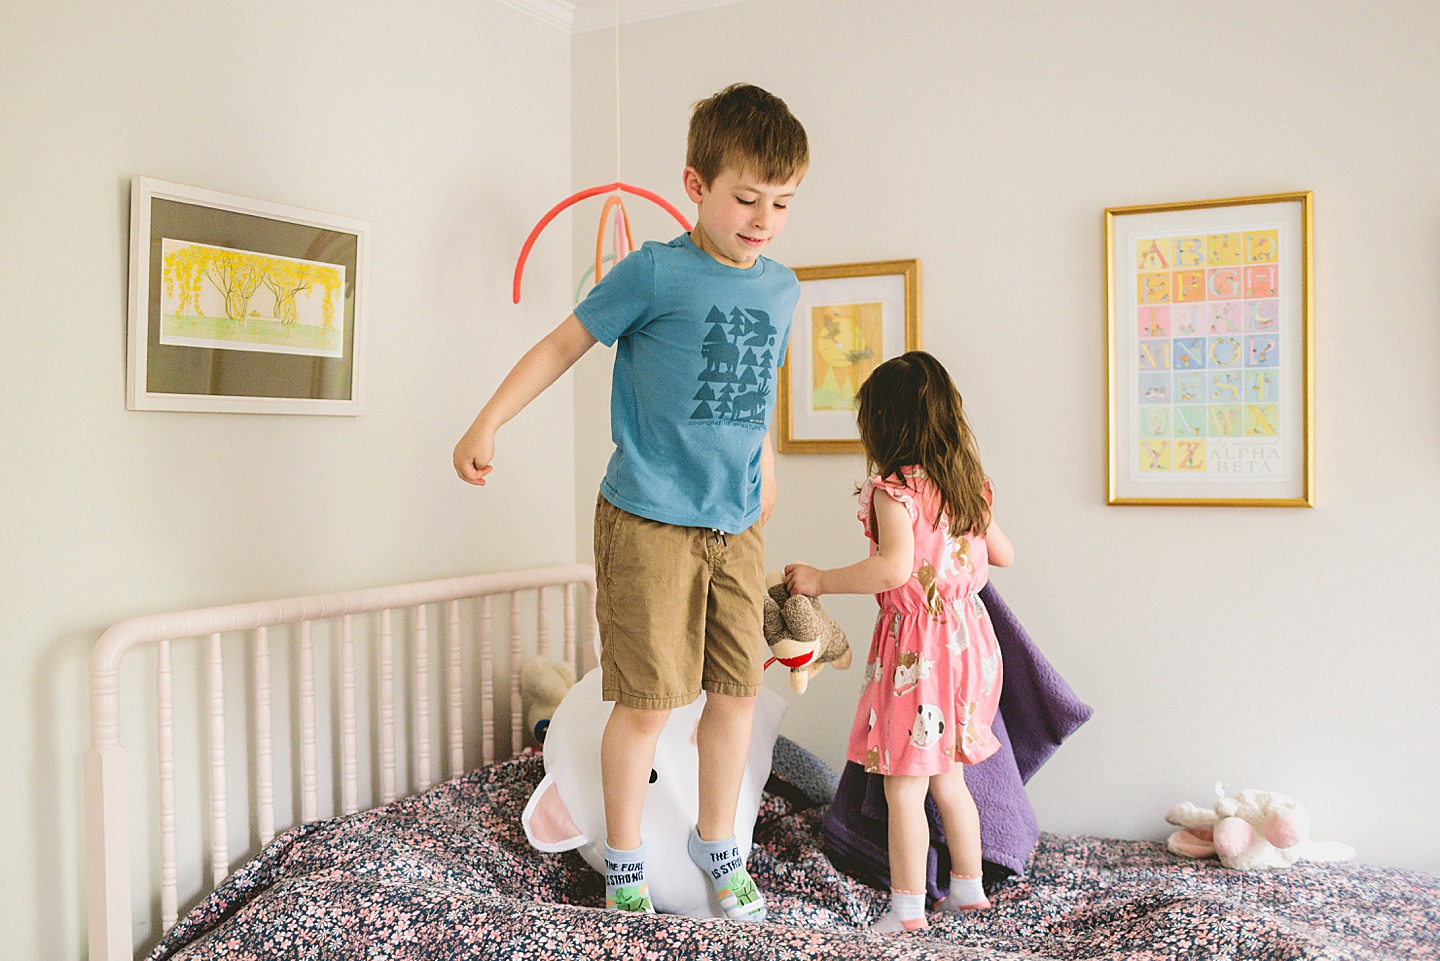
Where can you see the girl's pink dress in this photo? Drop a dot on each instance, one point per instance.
(932, 681)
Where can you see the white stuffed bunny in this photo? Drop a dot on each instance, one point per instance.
(1250, 830)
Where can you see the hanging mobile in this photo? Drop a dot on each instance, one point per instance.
(623, 242)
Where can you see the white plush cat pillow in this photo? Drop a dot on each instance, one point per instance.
(567, 810)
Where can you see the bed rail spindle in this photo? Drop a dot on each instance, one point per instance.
(387, 710)
(309, 779)
(570, 623)
(457, 726)
(165, 700)
(264, 750)
(422, 698)
(515, 722)
(542, 625)
(487, 683)
(219, 812)
(349, 792)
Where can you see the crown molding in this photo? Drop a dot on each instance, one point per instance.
(601, 16)
(557, 13)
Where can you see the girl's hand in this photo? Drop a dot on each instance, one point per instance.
(803, 579)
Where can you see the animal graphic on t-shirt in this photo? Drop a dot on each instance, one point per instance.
(747, 404)
(911, 667)
(720, 357)
(930, 582)
(739, 356)
(872, 761)
(929, 725)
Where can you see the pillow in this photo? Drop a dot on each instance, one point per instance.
(567, 810)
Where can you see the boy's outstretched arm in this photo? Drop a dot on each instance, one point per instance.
(541, 366)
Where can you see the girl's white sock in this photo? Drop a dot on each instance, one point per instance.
(966, 894)
(907, 913)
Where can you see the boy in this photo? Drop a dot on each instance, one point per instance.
(701, 325)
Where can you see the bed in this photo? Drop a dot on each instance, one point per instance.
(405, 864)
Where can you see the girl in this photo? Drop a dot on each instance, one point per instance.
(933, 677)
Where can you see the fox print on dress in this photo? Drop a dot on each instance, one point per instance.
(933, 686)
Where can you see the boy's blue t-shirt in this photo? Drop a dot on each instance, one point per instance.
(698, 344)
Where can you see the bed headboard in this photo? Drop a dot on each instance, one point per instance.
(322, 713)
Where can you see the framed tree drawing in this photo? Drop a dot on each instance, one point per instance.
(242, 305)
(850, 318)
(1210, 353)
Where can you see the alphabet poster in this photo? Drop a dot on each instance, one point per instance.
(1208, 364)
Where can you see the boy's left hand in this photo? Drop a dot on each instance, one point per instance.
(769, 491)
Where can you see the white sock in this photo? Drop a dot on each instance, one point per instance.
(907, 913)
(966, 894)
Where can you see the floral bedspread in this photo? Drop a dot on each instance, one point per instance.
(449, 874)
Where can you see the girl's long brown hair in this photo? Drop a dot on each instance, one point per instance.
(911, 414)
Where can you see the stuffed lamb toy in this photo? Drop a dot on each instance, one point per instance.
(1248, 831)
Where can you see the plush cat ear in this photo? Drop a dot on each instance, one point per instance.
(547, 821)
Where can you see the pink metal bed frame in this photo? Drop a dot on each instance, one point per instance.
(107, 791)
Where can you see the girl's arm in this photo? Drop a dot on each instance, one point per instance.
(881, 572)
(1000, 551)
(998, 546)
(541, 366)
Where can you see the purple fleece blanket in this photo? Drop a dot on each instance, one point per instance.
(1038, 710)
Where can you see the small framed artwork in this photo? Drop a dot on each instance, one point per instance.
(1210, 367)
(242, 305)
(850, 318)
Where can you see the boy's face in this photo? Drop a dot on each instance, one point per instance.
(738, 214)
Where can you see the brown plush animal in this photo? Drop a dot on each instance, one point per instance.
(800, 634)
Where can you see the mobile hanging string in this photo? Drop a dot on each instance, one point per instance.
(624, 241)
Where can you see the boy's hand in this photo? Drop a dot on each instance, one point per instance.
(803, 579)
(472, 455)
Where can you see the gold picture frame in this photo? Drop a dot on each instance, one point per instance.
(1210, 362)
(849, 319)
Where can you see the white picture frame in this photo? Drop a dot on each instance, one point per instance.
(266, 305)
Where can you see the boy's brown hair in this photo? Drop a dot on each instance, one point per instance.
(744, 127)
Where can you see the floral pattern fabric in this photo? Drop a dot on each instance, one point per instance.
(449, 874)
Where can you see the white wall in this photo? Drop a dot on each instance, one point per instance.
(986, 139)
(446, 126)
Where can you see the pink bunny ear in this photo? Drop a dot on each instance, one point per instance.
(1192, 843)
(1286, 828)
(547, 821)
(1232, 836)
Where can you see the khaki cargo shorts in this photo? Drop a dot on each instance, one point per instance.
(680, 610)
